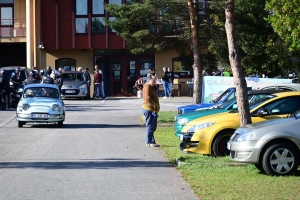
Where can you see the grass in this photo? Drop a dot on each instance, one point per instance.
(220, 178)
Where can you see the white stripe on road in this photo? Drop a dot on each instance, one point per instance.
(7, 121)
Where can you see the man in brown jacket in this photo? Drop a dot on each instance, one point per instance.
(150, 109)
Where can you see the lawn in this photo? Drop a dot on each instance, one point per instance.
(220, 178)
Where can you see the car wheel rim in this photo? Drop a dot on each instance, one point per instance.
(223, 146)
(282, 161)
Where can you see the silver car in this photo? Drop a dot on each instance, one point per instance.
(273, 146)
(40, 103)
(74, 85)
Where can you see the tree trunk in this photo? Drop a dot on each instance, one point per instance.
(235, 62)
(193, 6)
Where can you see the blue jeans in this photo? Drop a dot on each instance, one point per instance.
(151, 124)
(166, 88)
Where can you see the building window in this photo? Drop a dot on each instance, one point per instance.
(110, 29)
(81, 21)
(6, 16)
(81, 7)
(98, 7)
(68, 64)
(98, 25)
(81, 25)
(117, 2)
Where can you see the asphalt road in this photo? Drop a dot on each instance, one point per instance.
(100, 153)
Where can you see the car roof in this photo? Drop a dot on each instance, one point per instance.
(270, 91)
(41, 85)
(287, 85)
(13, 67)
(71, 72)
(288, 93)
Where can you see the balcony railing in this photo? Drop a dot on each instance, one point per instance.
(12, 28)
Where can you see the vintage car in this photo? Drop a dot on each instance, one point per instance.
(272, 146)
(74, 85)
(182, 120)
(210, 134)
(40, 103)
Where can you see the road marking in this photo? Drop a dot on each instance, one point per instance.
(7, 121)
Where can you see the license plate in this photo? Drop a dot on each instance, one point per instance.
(181, 137)
(228, 145)
(70, 91)
(39, 115)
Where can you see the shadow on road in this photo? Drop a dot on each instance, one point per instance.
(83, 126)
(95, 164)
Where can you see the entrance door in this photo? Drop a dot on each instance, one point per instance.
(104, 65)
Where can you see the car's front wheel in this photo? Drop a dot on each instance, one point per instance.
(219, 147)
(280, 159)
(60, 124)
(20, 124)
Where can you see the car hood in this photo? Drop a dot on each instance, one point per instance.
(72, 84)
(200, 113)
(41, 101)
(195, 106)
(269, 123)
(219, 117)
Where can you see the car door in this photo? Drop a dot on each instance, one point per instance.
(279, 108)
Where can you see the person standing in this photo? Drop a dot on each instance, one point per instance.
(5, 90)
(150, 109)
(97, 81)
(171, 79)
(57, 79)
(166, 81)
(88, 80)
(102, 86)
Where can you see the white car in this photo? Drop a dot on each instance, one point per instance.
(41, 103)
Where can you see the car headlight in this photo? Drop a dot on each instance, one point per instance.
(243, 136)
(25, 106)
(55, 107)
(83, 86)
(200, 126)
(182, 121)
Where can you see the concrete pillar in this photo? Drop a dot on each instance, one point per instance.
(29, 56)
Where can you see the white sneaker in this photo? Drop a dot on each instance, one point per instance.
(165, 97)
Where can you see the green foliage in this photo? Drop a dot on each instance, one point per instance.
(284, 18)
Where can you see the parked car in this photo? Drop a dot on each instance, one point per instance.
(182, 120)
(272, 146)
(74, 85)
(40, 103)
(224, 97)
(210, 134)
(282, 87)
(25, 72)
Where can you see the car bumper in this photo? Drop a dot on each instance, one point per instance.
(51, 119)
(187, 146)
(78, 93)
(247, 152)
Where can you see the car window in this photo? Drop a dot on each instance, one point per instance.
(72, 77)
(23, 75)
(283, 106)
(41, 92)
(280, 88)
(220, 98)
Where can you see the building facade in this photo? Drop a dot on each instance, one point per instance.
(70, 34)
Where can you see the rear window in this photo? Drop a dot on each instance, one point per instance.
(72, 77)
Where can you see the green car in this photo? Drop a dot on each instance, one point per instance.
(182, 120)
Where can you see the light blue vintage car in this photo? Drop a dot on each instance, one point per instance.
(41, 103)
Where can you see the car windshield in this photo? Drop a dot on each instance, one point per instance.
(258, 102)
(221, 98)
(228, 103)
(72, 77)
(40, 92)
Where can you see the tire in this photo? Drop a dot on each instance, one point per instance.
(280, 160)
(60, 124)
(219, 147)
(20, 124)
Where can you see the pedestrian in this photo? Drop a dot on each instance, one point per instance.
(32, 79)
(80, 69)
(166, 81)
(88, 81)
(60, 70)
(97, 82)
(57, 79)
(45, 78)
(150, 109)
(171, 79)
(48, 71)
(102, 85)
(5, 90)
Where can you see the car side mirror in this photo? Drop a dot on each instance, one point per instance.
(263, 112)
(234, 107)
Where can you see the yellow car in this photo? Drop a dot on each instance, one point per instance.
(210, 134)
